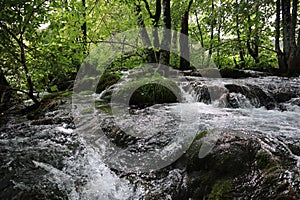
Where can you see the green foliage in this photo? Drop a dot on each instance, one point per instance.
(130, 61)
(251, 19)
(43, 41)
(38, 29)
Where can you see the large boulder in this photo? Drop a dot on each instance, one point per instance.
(147, 91)
(257, 96)
(234, 166)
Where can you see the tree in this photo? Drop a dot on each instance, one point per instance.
(289, 57)
(167, 37)
(184, 42)
(41, 43)
(16, 32)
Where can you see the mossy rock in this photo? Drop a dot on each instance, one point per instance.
(106, 80)
(56, 96)
(147, 92)
(221, 190)
(212, 176)
(86, 92)
(151, 94)
(85, 84)
(48, 102)
(193, 150)
(228, 72)
(264, 160)
(236, 167)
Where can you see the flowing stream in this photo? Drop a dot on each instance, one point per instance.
(50, 159)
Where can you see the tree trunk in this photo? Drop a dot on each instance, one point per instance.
(84, 28)
(144, 35)
(240, 48)
(5, 95)
(294, 57)
(289, 58)
(280, 56)
(155, 21)
(166, 38)
(286, 20)
(27, 74)
(219, 41)
(184, 41)
(200, 30)
(212, 27)
(252, 45)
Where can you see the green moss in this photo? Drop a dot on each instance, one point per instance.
(221, 190)
(282, 187)
(87, 111)
(48, 102)
(264, 160)
(66, 94)
(86, 92)
(56, 96)
(107, 79)
(149, 91)
(193, 150)
(200, 135)
(151, 94)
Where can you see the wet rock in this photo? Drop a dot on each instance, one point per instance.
(202, 94)
(222, 73)
(165, 187)
(295, 101)
(151, 94)
(19, 180)
(22, 146)
(207, 93)
(237, 167)
(284, 96)
(51, 121)
(146, 92)
(235, 73)
(116, 135)
(255, 94)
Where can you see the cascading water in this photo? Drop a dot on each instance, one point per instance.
(53, 160)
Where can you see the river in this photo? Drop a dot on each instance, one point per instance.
(103, 156)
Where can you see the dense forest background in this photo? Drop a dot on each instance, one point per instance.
(43, 43)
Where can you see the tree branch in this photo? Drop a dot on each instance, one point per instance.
(11, 33)
(30, 15)
(148, 9)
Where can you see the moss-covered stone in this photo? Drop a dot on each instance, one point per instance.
(213, 176)
(193, 151)
(86, 92)
(106, 80)
(87, 111)
(151, 94)
(221, 190)
(264, 160)
(148, 91)
(48, 102)
(56, 96)
(228, 72)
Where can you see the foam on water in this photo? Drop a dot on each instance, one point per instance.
(99, 182)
